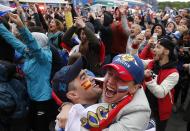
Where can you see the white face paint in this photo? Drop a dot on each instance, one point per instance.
(123, 88)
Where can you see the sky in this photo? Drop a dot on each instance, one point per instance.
(173, 0)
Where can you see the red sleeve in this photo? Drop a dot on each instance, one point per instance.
(145, 52)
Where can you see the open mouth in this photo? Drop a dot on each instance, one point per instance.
(109, 92)
(154, 55)
(50, 26)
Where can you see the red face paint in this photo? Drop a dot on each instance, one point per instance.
(86, 84)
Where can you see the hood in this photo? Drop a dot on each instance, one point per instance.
(175, 25)
(169, 65)
(41, 38)
(7, 70)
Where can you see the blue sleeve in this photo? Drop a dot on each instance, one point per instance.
(11, 39)
(42, 56)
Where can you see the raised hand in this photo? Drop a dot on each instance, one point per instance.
(122, 9)
(80, 22)
(139, 38)
(16, 19)
(151, 42)
(147, 73)
(34, 8)
(62, 117)
(186, 66)
(67, 8)
(19, 10)
(17, 3)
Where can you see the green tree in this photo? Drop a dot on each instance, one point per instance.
(174, 5)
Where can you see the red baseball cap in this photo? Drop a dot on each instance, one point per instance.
(122, 72)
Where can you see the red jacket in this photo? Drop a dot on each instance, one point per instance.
(164, 104)
(119, 38)
(146, 53)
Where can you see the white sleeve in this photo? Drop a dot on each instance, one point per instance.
(73, 122)
(160, 91)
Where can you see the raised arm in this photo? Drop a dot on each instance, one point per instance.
(42, 20)
(124, 22)
(36, 16)
(89, 34)
(33, 47)
(11, 39)
(66, 38)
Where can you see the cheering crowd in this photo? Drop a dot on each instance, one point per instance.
(75, 69)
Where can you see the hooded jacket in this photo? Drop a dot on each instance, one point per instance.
(13, 98)
(37, 65)
(160, 91)
(175, 26)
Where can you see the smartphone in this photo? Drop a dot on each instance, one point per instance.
(155, 37)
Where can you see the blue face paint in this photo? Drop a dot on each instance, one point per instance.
(122, 88)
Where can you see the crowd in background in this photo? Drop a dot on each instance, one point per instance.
(35, 44)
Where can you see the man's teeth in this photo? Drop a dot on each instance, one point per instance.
(110, 89)
(110, 92)
(94, 85)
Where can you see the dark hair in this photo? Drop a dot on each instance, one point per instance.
(36, 29)
(7, 52)
(163, 29)
(130, 19)
(167, 43)
(59, 24)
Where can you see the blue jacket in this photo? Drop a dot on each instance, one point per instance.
(13, 94)
(37, 65)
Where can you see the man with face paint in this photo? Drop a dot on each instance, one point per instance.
(74, 85)
(122, 86)
(161, 76)
(124, 107)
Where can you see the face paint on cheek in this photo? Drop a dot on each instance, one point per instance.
(86, 84)
(122, 89)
